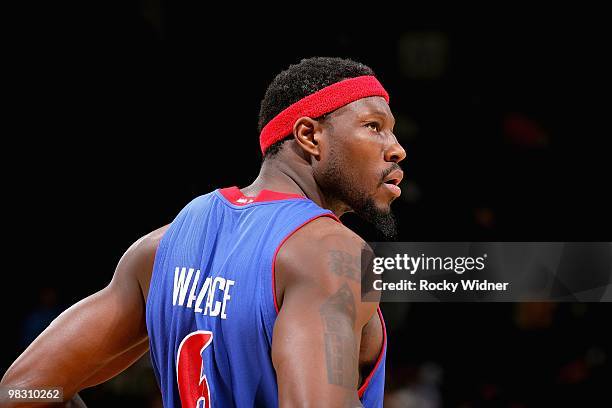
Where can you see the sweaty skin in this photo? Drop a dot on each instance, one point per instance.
(325, 341)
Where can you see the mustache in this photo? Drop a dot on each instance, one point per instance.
(388, 171)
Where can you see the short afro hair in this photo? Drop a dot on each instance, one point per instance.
(300, 80)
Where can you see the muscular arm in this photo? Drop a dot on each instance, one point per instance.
(315, 347)
(96, 338)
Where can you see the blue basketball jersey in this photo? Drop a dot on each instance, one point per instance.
(210, 310)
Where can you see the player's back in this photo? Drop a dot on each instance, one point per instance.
(211, 304)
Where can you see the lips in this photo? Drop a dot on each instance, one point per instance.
(392, 180)
(395, 190)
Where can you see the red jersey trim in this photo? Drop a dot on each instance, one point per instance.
(363, 388)
(235, 196)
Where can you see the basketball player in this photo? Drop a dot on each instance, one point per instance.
(252, 296)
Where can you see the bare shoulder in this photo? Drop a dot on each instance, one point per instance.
(148, 243)
(324, 253)
(322, 234)
(137, 262)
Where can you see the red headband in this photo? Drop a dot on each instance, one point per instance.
(318, 104)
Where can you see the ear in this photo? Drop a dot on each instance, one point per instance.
(307, 134)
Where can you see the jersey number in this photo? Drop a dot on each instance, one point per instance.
(192, 383)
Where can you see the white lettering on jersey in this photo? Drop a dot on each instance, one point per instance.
(180, 285)
(215, 303)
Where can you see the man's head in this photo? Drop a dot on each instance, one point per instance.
(352, 151)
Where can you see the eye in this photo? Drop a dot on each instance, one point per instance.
(374, 126)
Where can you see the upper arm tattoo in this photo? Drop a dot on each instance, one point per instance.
(339, 315)
(344, 264)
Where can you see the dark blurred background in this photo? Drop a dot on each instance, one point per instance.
(122, 113)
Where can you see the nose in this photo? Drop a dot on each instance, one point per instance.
(395, 152)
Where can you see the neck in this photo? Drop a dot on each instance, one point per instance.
(292, 175)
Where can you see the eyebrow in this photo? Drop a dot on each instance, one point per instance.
(379, 113)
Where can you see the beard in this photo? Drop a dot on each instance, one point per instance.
(384, 221)
(334, 183)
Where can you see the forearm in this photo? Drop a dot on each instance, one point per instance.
(100, 332)
(117, 365)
